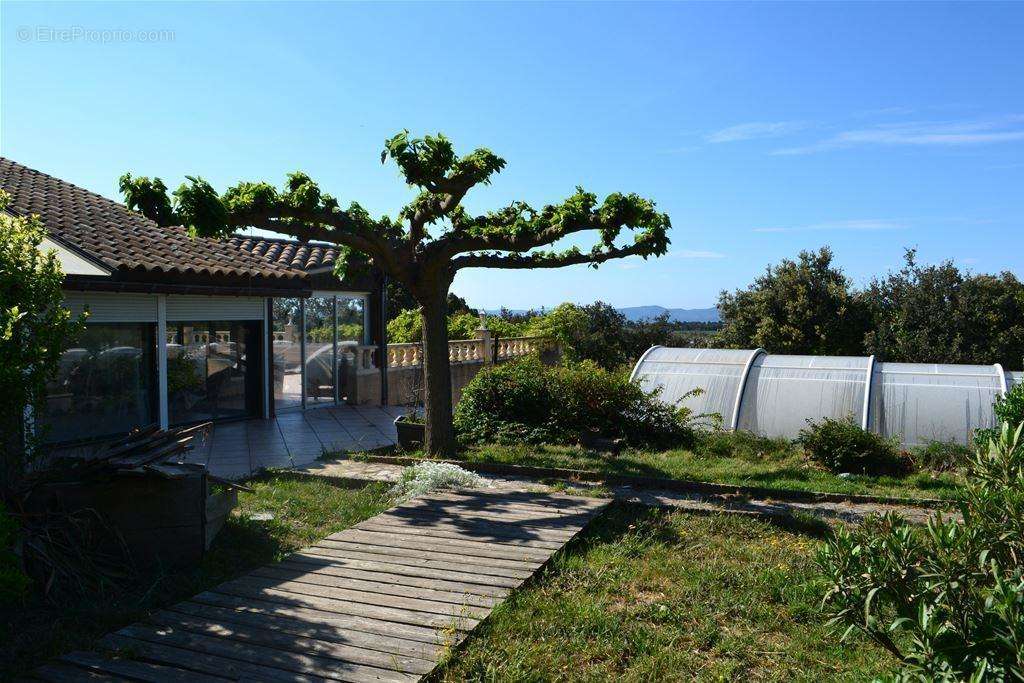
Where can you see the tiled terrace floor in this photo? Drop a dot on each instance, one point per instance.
(237, 449)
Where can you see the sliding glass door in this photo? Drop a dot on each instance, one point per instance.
(213, 370)
(105, 384)
(321, 354)
(313, 340)
(286, 361)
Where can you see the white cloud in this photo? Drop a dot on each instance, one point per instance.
(861, 225)
(920, 134)
(755, 131)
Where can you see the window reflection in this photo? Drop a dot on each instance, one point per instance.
(105, 383)
(320, 357)
(212, 370)
(287, 355)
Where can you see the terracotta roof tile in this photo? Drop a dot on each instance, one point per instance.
(125, 240)
(303, 256)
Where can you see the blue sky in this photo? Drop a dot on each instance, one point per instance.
(761, 129)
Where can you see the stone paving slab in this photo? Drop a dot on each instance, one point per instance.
(346, 468)
(236, 450)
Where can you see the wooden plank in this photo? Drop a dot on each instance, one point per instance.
(387, 579)
(519, 517)
(469, 522)
(513, 539)
(395, 539)
(463, 503)
(237, 669)
(328, 619)
(343, 554)
(510, 500)
(143, 671)
(316, 625)
(378, 599)
(522, 497)
(435, 552)
(343, 653)
(382, 601)
(59, 673)
(307, 556)
(266, 656)
(400, 616)
(290, 573)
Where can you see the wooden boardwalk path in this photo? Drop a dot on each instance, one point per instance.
(381, 601)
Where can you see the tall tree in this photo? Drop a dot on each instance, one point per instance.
(804, 307)
(938, 314)
(512, 237)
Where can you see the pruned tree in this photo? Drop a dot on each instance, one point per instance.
(431, 239)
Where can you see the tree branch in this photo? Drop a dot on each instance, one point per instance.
(569, 258)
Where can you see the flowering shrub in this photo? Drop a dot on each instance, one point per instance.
(430, 476)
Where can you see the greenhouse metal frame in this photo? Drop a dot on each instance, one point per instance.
(775, 395)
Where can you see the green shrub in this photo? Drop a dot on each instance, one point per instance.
(942, 456)
(13, 582)
(407, 326)
(526, 400)
(740, 444)
(947, 600)
(842, 446)
(1009, 410)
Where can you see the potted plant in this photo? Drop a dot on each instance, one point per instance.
(410, 426)
(411, 431)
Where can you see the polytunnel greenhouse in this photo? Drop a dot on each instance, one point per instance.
(774, 395)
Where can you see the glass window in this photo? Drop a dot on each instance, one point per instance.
(320, 356)
(213, 370)
(287, 358)
(106, 383)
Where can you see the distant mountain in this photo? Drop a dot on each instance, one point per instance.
(680, 315)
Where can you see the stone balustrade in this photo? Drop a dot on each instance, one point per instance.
(512, 347)
(410, 355)
(405, 362)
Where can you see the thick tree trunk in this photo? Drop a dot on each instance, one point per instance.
(437, 378)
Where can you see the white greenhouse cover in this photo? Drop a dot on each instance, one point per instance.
(718, 372)
(775, 395)
(783, 392)
(927, 402)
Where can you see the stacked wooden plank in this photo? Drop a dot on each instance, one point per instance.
(148, 450)
(381, 601)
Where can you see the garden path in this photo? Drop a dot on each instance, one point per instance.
(382, 601)
(697, 502)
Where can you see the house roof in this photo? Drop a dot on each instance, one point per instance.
(305, 256)
(129, 243)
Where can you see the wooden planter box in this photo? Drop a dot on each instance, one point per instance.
(162, 521)
(411, 435)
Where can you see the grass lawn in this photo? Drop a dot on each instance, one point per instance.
(650, 595)
(722, 458)
(304, 510)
